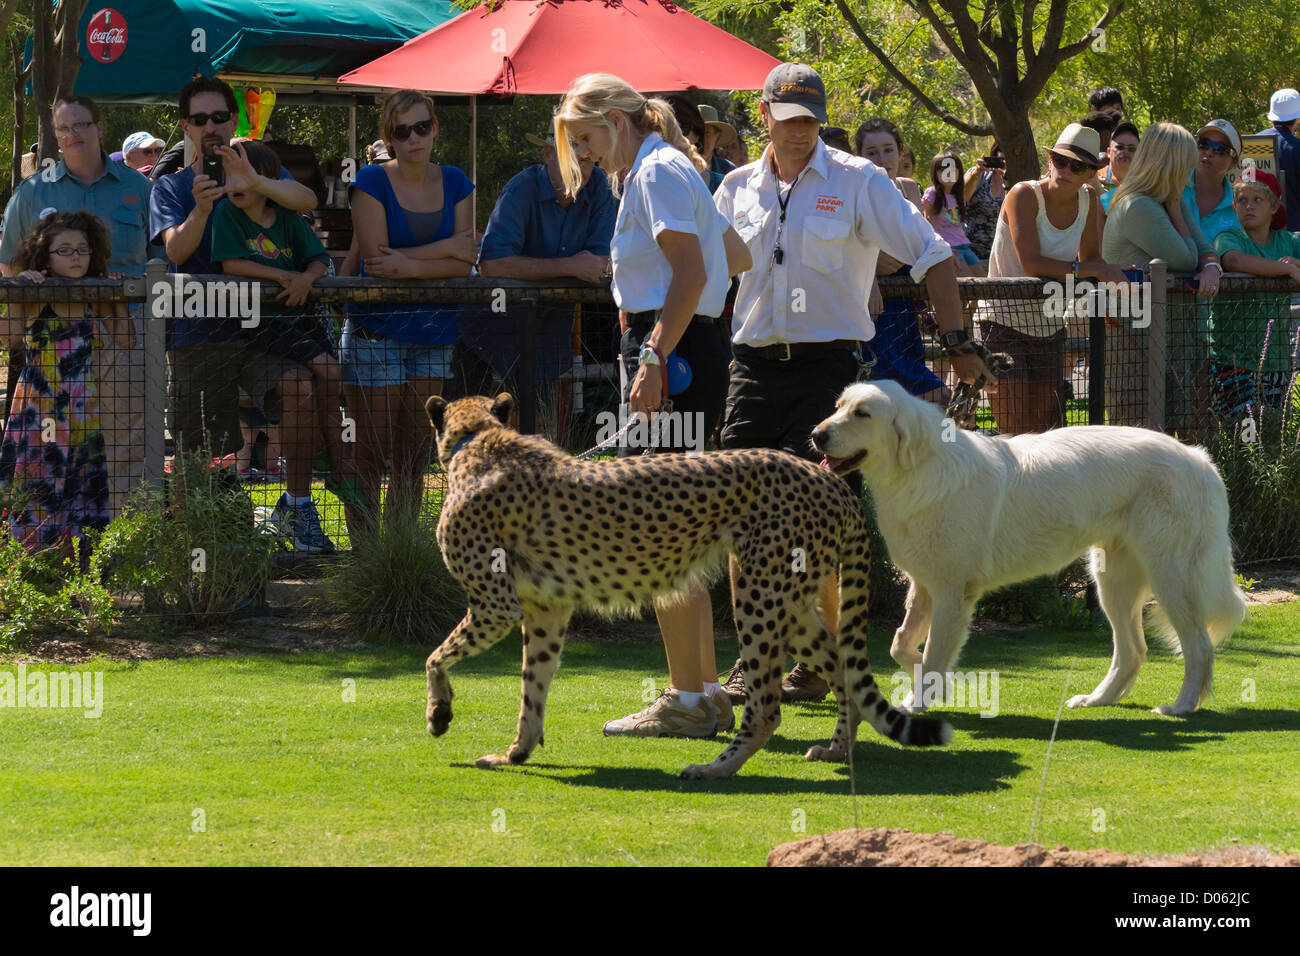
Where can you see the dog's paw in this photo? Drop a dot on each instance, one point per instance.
(1081, 700)
(488, 761)
(827, 754)
(1171, 710)
(438, 717)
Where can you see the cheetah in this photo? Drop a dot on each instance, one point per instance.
(533, 534)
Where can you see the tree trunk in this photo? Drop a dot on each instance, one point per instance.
(1016, 138)
(55, 63)
(44, 79)
(20, 104)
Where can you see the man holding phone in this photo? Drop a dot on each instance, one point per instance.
(208, 360)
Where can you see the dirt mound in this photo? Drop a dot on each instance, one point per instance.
(886, 846)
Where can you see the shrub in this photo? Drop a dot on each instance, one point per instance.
(1259, 459)
(393, 587)
(44, 590)
(193, 555)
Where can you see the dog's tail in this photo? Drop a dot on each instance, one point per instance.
(872, 704)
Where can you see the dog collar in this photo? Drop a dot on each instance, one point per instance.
(461, 444)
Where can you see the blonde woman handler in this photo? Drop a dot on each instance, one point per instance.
(672, 257)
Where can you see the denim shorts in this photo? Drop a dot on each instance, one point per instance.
(376, 363)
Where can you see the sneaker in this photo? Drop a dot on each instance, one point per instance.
(734, 685)
(803, 684)
(301, 525)
(667, 717)
(722, 705)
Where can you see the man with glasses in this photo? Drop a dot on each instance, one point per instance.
(209, 357)
(85, 178)
(141, 150)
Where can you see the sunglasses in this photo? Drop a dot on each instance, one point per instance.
(1215, 147)
(219, 117)
(1073, 165)
(150, 151)
(403, 132)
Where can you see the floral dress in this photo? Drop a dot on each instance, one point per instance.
(52, 459)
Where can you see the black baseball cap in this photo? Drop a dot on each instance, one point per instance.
(795, 89)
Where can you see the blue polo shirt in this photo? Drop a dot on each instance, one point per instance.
(1288, 161)
(529, 221)
(1221, 217)
(171, 203)
(120, 197)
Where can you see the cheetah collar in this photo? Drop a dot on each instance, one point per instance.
(461, 444)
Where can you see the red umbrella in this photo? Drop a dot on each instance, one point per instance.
(542, 46)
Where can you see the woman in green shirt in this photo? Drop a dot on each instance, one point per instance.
(1149, 219)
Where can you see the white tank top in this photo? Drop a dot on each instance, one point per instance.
(1053, 243)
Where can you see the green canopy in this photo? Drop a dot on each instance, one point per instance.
(144, 51)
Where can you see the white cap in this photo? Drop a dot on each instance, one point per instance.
(140, 140)
(1227, 129)
(1284, 106)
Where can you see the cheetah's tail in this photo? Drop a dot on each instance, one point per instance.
(855, 567)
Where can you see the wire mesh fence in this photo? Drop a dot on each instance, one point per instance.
(177, 439)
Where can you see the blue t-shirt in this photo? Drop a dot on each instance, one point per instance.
(424, 325)
(1218, 219)
(170, 204)
(529, 221)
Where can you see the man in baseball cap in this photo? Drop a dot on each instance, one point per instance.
(141, 150)
(795, 89)
(815, 221)
(1283, 112)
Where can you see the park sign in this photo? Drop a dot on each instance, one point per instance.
(1258, 150)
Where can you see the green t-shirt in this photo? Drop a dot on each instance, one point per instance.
(287, 244)
(1239, 320)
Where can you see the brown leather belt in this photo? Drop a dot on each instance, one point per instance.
(785, 351)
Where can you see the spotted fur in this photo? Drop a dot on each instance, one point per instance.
(613, 536)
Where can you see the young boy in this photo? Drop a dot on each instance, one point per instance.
(254, 238)
(1240, 322)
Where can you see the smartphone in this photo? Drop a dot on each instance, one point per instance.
(213, 167)
(995, 162)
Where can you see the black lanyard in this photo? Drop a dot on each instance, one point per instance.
(778, 254)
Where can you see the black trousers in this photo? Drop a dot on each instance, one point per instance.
(696, 409)
(774, 404)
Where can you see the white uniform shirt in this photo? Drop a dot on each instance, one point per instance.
(841, 212)
(664, 191)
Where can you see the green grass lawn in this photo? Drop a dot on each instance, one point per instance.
(284, 770)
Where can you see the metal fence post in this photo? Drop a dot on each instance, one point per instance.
(528, 367)
(155, 374)
(1097, 368)
(1157, 347)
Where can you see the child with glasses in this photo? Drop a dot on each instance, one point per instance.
(53, 454)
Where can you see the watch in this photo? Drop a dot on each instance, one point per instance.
(648, 356)
(950, 340)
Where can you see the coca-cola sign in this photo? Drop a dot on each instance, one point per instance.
(106, 35)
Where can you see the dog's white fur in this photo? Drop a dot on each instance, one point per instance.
(963, 513)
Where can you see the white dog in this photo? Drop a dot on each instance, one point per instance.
(963, 513)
